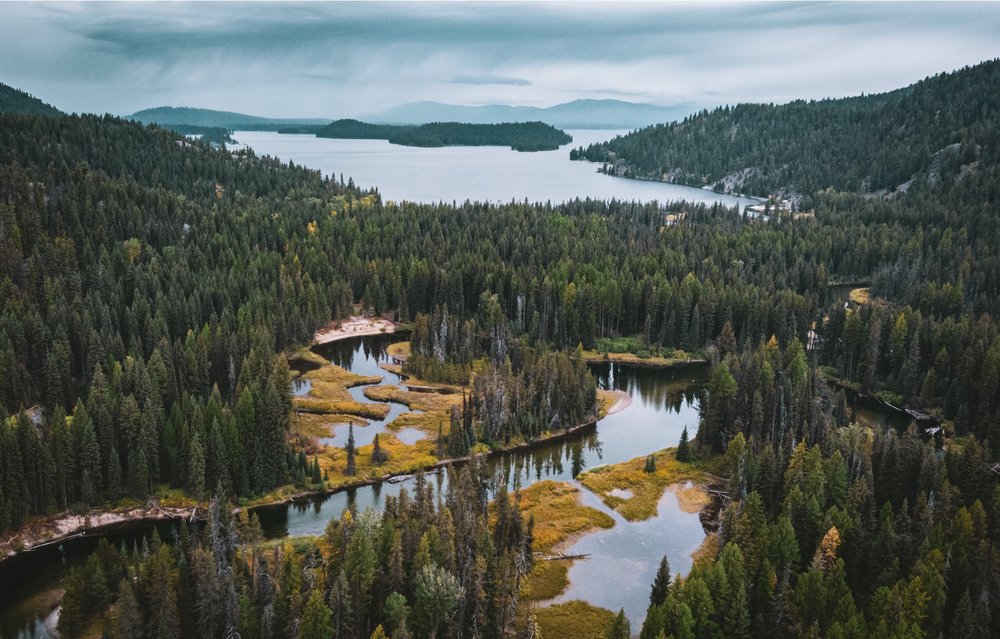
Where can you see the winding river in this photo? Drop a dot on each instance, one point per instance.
(663, 403)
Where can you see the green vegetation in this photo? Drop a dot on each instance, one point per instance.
(519, 136)
(15, 101)
(420, 567)
(926, 132)
(355, 130)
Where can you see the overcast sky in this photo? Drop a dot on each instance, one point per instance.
(342, 59)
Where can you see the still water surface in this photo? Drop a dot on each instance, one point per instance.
(459, 173)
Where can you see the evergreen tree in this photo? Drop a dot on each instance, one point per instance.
(379, 456)
(316, 618)
(650, 465)
(683, 449)
(351, 468)
(661, 584)
(619, 628)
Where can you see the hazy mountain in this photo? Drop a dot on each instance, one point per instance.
(211, 118)
(578, 114)
(16, 101)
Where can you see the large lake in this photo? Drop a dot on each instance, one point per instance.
(459, 173)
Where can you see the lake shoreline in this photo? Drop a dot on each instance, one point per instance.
(354, 326)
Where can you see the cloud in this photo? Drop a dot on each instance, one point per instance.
(488, 79)
(339, 59)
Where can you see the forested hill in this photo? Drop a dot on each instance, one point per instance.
(218, 119)
(520, 136)
(16, 101)
(931, 130)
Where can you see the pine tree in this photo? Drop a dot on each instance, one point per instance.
(619, 628)
(650, 465)
(129, 619)
(317, 474)
(458, 446)
(196, 469)
(316, 618)
(661, 583)
(397, 613)
(683, 448)
(379, 456)
(74, 611)
(440, 448)
(351, 469)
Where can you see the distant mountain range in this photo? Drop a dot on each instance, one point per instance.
(16, 101)
(578, 114)
(224, 119)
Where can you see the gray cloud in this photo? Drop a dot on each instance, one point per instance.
(489, 79)
(335, 59)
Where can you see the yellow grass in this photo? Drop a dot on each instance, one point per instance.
(605, 400)
(691, 499)
(646, 488)
(707, 551)
(329, 396)
(546, 580)
(559, 519)
(319, 425)
(558, 514)
(328, 393)
(399, 350)
(860, 295)
(574, 620)
(403, 459)
(435, 408)
(368, 411)
(632, 358)
(306, 356)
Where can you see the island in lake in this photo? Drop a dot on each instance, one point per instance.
(519, 136)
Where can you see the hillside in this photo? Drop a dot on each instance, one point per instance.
(16, 101)
(356, 130)
(519, 136)
(930, 131)
(218, 119)
(578, 114)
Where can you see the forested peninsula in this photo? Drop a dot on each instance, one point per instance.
(882, 143)
(153, 290)
(519, 136)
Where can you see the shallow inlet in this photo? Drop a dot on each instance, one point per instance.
(663, 403)
(622, 561)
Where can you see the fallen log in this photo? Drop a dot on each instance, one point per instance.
(543, 557)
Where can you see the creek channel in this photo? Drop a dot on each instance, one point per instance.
(663, 402)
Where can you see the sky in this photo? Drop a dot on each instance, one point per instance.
(347, 59)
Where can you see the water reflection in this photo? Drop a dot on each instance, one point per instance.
(621, 562)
